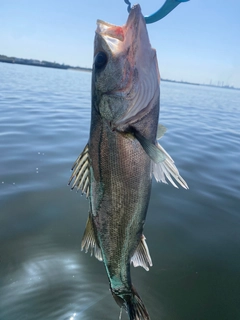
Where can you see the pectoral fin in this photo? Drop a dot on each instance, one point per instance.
(141, 256)
(167, 169)
(161, 131)
(163, 164)
(81, 172)
(151, 149)
(89, 241)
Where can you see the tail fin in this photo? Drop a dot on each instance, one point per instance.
(133, 305)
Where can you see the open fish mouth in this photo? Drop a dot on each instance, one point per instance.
(117, 32)
(115, 35)
(106, 29)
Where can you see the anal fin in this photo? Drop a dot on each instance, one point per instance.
(89, 241)
(142, 256)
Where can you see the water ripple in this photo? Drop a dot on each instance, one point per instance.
(193, 235)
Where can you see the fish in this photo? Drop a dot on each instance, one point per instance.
(122, 155)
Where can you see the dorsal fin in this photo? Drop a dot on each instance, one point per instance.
(81, 172)
(89, 241)
(141, 256)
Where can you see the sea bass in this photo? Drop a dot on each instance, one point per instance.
(116, 167)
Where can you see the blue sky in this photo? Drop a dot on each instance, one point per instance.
(199, 41)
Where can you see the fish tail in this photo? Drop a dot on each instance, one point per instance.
(133, 305)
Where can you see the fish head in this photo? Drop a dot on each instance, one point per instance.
(125, 76)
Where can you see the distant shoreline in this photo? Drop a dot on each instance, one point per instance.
(55, 65)
(38, 63)
(49, 66)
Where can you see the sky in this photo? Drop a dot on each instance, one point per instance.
(199, 41)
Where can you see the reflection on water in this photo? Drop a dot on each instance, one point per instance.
(193, 236)
(56, 283)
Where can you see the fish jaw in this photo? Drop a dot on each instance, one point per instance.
(130, 79)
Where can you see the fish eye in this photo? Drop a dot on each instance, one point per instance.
(100, 60)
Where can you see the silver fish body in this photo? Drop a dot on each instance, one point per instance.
(116, 167)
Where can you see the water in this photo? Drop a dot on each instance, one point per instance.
(193, 235)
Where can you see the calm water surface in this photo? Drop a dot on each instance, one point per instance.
(193, 235)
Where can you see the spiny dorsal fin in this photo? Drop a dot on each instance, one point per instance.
(167, 169)
(81, 172)
(141, 256)
(89, 241)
